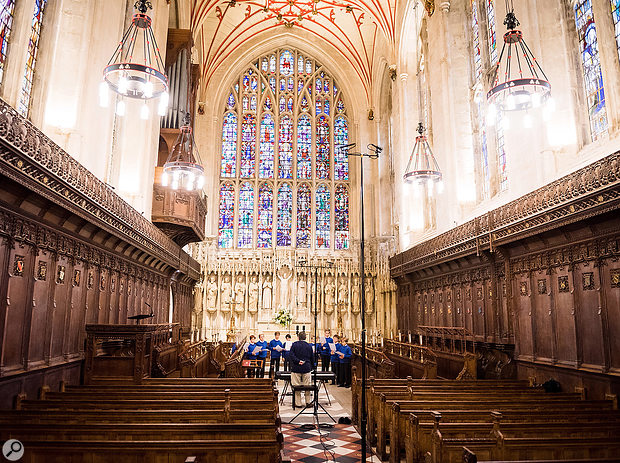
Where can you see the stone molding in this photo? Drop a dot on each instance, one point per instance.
(32, 159)
(590, 191)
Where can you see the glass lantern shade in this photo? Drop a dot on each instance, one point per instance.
(422, 166)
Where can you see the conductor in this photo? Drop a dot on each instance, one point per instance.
(301, 360)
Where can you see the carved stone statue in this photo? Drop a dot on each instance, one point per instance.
(240, 294)
(355, 296)
(226, 294)
(330, 295)
(284, 273)
(253, 294)
(211, 293)
(267, 293)
(302, 297)
(370, 296)
(343, 295)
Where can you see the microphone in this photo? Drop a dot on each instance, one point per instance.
(377, 148)
(348, 145)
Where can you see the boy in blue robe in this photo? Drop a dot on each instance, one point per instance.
(325, 351)
(344, 372)
(275, 353)
(262, 355)
(334, 359)
(287, 367)
(249, 354)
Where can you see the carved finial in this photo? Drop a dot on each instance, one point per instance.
(143, 6)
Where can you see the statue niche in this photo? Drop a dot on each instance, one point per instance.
(285, 274)
(226, 294)
(369, 296)
(240, 293)
(212, 293)
(253, 291)
(355, 295)
(330, 295)
(343, 295)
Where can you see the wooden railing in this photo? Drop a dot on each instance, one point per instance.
(454, 340)
(194, 359)
(379, 365)
(420, 354)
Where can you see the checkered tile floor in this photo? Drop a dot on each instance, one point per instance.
(340, 444)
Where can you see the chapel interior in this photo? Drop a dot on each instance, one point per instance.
(436, 181)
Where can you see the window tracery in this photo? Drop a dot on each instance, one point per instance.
(6, 23)
(23, 104)
(591, 64)
(283, 122)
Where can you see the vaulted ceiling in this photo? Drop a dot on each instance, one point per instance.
(354, 29)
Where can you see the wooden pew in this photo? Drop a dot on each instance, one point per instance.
(471, 457)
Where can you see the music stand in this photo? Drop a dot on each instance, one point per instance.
(142, 316)
(315, 400)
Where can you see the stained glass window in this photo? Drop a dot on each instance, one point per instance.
(6, 22)
(285, 215)
(23, 104)
(287, 132)
(265, 215)
(341, 217)
(266, 147)
(285, 148)
(304, 148)
(475, 27)
(248, 146)
(341, 137)
(615, 14)
(492, 36)
(322, 217)
(501, 152)
(590, 60)
(227, 215)
(229, 146)
(304, 216)
(246, 215)
(322, 148)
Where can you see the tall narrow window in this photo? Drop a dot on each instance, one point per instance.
(591, 62)
(6, 22)
(265, 215)
(304, 216)
(304, 148)
(322, 217)
(615, 14)
(229, 146)
(285, 148)
(248, 146)
(285, 215)
(284, 118)
(478, 98)
(341, 137)
(341, 217)
(246, 215)
(23, 105)
(492, 36)
(266, 147)
(227, 215)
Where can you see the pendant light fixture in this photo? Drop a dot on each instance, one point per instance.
(136, 69)
(422, 167)
(519, 82)
(181, 169)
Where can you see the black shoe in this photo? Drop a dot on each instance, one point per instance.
(341, 385)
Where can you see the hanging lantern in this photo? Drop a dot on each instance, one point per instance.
(181, 169)
(136, 69)
(519, 82)
(422, 167)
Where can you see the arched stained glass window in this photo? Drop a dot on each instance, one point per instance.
(304, 216)
(266, 147)
(23, 105)
(246, 215)
(304, 148)
(6, 22)
(227, 215)
(265, 215)
(341, 137)
(282, 118)
(492, 36)
(229, 146)
(285, 215)
(591, 62)
(341, 217)
(322, 217)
